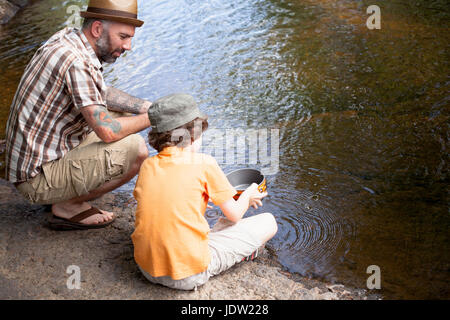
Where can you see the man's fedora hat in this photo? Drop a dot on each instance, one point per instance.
(124, 11)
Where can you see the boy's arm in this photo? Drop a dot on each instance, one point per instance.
(235, 210)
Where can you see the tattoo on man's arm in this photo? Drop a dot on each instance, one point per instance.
(118, 100)
(103, 119)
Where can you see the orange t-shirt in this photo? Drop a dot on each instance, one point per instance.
(172, 191)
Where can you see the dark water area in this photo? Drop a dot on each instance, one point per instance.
(361, 117)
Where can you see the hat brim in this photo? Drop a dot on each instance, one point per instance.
(164, 127)
(134, 22)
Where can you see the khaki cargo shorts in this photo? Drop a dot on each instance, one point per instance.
(83, 169)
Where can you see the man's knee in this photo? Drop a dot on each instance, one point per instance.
(142, 148)
(137, 146)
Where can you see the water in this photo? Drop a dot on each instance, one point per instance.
(363, 119)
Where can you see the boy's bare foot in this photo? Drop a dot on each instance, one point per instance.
(67, 210)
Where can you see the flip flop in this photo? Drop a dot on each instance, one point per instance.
(62, 224)
(251, 257)
(254, 254)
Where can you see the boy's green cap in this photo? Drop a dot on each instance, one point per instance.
(173, 111)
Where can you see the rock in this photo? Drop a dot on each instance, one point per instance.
(20, 3)
(328, 296)
(336, 288)
(304, 295)
(7, 11)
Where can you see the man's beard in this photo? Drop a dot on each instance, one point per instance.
(104, 48)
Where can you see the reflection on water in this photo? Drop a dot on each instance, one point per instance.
(19, 39)
(363, 119)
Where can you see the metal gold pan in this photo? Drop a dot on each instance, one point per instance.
(241, 179)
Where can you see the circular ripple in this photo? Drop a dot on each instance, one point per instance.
(310, 233)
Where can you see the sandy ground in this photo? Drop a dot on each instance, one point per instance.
(34, 262)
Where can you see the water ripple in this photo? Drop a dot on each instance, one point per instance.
(310, 231)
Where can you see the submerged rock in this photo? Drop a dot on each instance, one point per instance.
(9, 8)
(20, 3)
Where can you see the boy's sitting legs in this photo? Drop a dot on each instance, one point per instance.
(229, 243)
(238, 240)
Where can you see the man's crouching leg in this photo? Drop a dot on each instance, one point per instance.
(131, 152)
(87, 172)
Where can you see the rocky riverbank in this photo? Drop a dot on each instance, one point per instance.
(9, 8)
(34, 261)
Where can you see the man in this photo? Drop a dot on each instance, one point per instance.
(64, 148)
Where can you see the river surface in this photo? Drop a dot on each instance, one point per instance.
(351, 125)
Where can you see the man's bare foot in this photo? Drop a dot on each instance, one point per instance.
(67, 210)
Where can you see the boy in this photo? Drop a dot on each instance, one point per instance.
(173, 245)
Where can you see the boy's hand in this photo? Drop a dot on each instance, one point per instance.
(235, 209)
(255, 196)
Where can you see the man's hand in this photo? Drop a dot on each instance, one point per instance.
(146, 106)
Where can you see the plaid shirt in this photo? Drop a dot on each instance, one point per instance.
(45, 121)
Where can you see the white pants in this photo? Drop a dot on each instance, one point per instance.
(229, 243)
